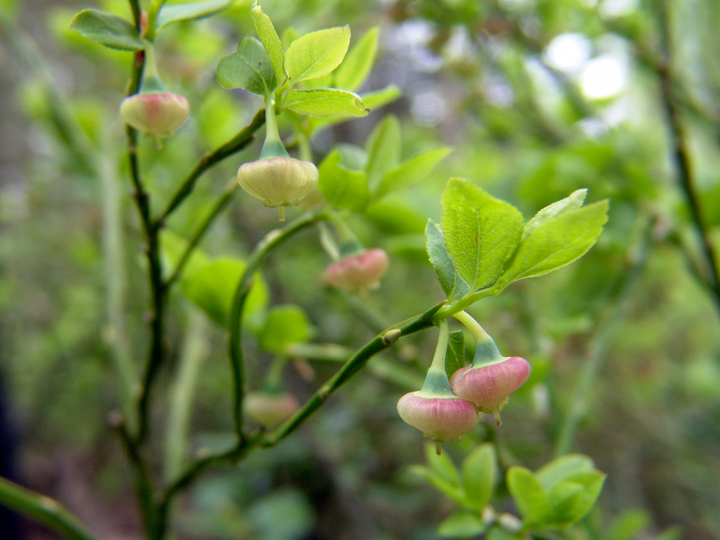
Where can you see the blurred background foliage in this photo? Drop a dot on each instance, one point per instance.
(537, 98)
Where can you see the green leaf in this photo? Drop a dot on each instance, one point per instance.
(172, 248)
(563, 468)
(171, 13)
(557, 242)
(324, 102)
(564, 498)
(358, 62)
(107, 29)
(461, 524)
(212, 289)
(453, 285)
(383, 149)
(530, 497)
(442, 465)
(592, 482)
(478, 473)
(628, 525)
(573, 202)
(481, 232)
(455, 358)
(410, 171)
(249, 68)
(270, 39)
(498, 533)
(443, 486)
(284, 325)
(379, 98)
(317, 53)
(342, 187)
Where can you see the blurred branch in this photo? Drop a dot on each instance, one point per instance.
(42, 509)
(242, 139)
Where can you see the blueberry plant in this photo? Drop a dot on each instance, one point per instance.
(306, 83)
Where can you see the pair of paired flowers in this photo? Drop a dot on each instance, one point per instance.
(446, 409)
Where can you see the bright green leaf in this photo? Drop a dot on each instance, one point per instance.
(317, 53)
(592, 482)
(249, 68)
(107, 29)
(563, 468)
(455, 358)
(172, 248)
(212, 288)
(461, 524)
(481, 232)
(270, 39)
(628, 525)
(171, 13)
(573, 202)
(453, 285)
(379, 98)
(358, 62)
(342, 187)
(557, 242)
(498, 533)
(443, 486)
(383, 149)
(324, 102)
(478, 473)
(442, 465)
(530, 497)
(410, 171)
(284, 325)
(564, 499)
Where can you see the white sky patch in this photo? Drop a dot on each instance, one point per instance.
(569, 52)
(604, 77)
(615, 8)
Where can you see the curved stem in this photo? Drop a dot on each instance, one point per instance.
(486, 352)
(436, 380)
(42, 509)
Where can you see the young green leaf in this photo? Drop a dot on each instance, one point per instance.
(530, 497)
(383, 149)
(171, 13)
(443, 486)
(481, 232)
(358, 62)
(557, 242)
(455, 287)
(478, 473)
(442, 465)
(317, 53)
(563, 468)
(498, 533)
(249, 67)
(284, 325)
(173, 247)
(573, 202)
(410, 171)
(628, 525)
(564, 499)
(324, 102)
(342, 187)
(270, 39)
(462, 524)
(211, 288)
(107, 29)
(455, 358)
(379, 98)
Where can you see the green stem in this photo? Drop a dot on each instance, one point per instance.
(202, 228)
(273, 145)
(486, 352)
(42, 509)
(354, 364)
(273, 379)
(242, 139)
(182, 394)
(436, 380)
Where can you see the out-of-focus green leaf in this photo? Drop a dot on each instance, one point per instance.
(284, 325)
(410, 171)
(343, 188)
(441, 484)
(628, 525)
(317, 53)
(530, 497)
(563, 468)
(108, 30)
(187, 11)
(283, 514)
(481, 232)
(442, 465)
(379, 98)
(455, 358)
(478, 474)
(270, 39)
(359, 61)
(453, 284)
(461, 524)
(324, 102)
(383, 149)
(173, 246)
(249, 67)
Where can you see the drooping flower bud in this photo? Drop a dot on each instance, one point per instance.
(278, 181)
(270, 409)
(157, 114)
(492, 377)
(435, 410)
(358, 272)
(489, 387)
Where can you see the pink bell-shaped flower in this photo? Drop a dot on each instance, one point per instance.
(270, 409)
(356, 273)
(157, 114)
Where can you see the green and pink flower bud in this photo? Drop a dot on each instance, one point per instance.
(356, 273)
(270, 409)
(278, 181)
(158, 114)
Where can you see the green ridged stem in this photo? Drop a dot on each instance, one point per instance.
(437, 384)
(486, 352)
